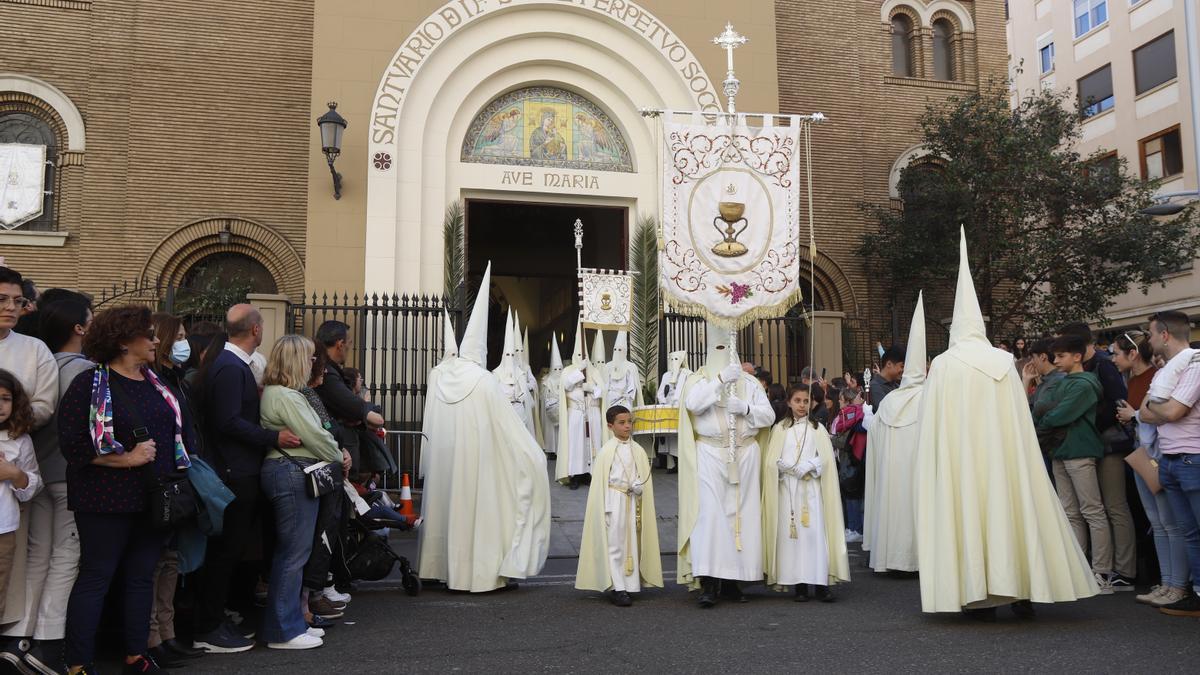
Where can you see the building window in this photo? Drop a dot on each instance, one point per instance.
(943, 50)
(1089, 14)
(1162, 154)
(1046, 58)
(902, 57)
(1096, 92)
(20, 127)
(1154, 63)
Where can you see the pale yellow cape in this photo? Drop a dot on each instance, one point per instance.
(831, 505)
(593, 572)
(689, 479)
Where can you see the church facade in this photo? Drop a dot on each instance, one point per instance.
(182, 135)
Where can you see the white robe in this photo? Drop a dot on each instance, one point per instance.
(619, 514)
(890, 530)
(486, 503)
(713, 541)
(550, 412)
(668, 394)
(582, 417)
(530, 402)
(805, 559)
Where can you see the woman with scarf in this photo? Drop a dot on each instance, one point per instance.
(114, 420)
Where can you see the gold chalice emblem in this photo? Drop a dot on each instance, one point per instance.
(605, 301)
(731, 215)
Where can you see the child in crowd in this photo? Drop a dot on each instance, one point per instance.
(850, 441)
(1077, 454)
(803, 541)
(620, 529)
(19, 477)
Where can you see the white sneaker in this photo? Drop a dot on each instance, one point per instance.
(1105, 584)
(1169, 596)
(853, 537)
(1149, 598)
(302, 641)
(333, 595)
(315, 632)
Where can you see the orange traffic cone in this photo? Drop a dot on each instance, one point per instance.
(405, 509)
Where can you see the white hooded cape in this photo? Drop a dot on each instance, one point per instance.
(889, 529)
(486, 503)
(990, 529)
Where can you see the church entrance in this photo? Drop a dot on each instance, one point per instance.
(531, 246)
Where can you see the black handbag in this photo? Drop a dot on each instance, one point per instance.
(318, 481)
(171, 497)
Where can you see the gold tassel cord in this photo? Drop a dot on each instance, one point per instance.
(629, 533)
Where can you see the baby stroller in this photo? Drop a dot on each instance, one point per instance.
(368, 555)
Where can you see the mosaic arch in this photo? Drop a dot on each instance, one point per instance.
(546, 126)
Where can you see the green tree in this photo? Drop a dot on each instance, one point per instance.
(1053, 236)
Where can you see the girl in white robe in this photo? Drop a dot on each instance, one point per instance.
(804, 539)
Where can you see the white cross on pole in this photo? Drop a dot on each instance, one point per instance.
(729, 40)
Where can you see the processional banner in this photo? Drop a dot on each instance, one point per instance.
(731, 234)
(22, 183)
(606, 298)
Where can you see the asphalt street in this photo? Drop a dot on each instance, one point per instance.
(875, 626)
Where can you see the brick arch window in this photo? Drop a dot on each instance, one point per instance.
(944, 66)
(23, 125)
(903, 57)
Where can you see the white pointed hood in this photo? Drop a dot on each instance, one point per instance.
(456, 378)
(718, 349)
(597, 356)
(474, 342)
(449, 344)
(901, 407)
(507, 371)
(556, 363)
(525, 348)
(619, 365)
(577, 355)
(676, 361)
(968, 334)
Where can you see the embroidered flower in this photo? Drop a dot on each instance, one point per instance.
(383, 161)
(735, 292)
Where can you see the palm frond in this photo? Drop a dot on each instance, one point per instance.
(454, 261)
(644, 331)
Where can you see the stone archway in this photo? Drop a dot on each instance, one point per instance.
(181, 250)
(831, 283)
(456, 62)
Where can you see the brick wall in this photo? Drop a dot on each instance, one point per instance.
(192, 109)
(839, 62)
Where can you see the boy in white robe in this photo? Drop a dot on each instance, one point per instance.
(620, 550)
(804, 543)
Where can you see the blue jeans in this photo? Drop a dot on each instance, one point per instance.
(295, 522)
(854, 515)
(1180, 478)
(1169, 542)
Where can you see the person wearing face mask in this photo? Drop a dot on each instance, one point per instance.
(168, 364)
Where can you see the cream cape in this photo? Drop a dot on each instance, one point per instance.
(990, 529)
(689, 478)
(593, 572)
(831, 504)
(889, 526)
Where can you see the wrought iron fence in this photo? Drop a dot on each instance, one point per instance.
(191, 305)
(396, 340)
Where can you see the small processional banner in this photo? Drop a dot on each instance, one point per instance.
(606, 298)
(731, 211)
(22, 183)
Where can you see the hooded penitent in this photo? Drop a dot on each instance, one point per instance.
(889, 530)
(990, 528)
(720, 523)
(580, 423)
(486, 504)
(623, 385)
(551, 383)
